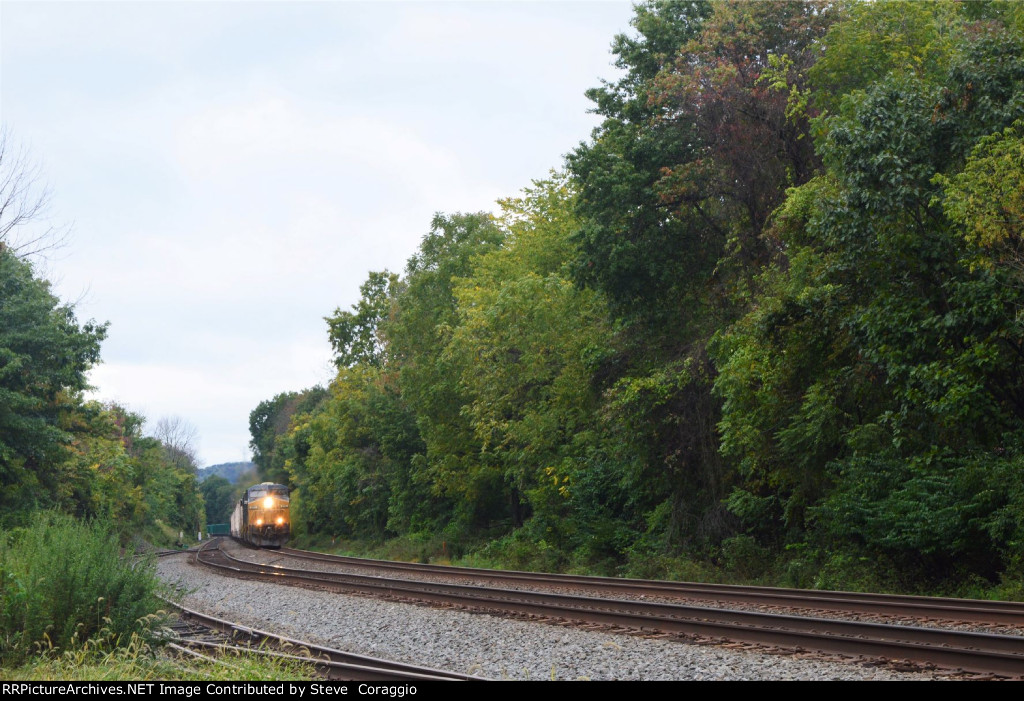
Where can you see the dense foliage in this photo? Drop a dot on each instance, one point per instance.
(58, 451)
(769, 315)
(80, 479)
(63, 582)
(218, 498)
(43, 358)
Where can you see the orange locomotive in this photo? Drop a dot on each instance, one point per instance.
(261, 516)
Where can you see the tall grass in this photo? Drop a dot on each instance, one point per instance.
(64, 582)
(138, 661)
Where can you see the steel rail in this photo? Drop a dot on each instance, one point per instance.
(975, 652)
(331, 670)
(1008, 613)
(336, 664)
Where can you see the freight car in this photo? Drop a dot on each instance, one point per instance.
(261, 516)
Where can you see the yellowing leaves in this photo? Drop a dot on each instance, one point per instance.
(987, 197)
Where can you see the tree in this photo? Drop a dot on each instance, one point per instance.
(116, 472)
(987, 199)
(521, 343)
(873, 394)
(629, 243)
(696, 150)
(22, 204)
(178, 437)
(419, 333)
(877, 39)
(218, 496)
(676, 190)
(269, 423)
(357, 336)
(44, 355)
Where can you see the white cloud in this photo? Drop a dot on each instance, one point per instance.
(217, 398)
(234, 170)
(275, 137)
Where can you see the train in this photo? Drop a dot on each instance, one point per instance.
(261, 516)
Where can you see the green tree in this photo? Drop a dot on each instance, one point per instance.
(986, 198)
(877, 380)
(353, 472)
(218, 498)
(44, 355)
(675, 193)
(269, 423)
(357, 336)
(877, 39)
(115, 472)
(419, 334)
(628, 239)
(521, 347)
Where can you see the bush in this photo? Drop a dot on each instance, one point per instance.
(63, 582)
(936, 520)
(518, 551)
(744, 557)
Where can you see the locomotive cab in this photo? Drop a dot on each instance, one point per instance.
(261, 517)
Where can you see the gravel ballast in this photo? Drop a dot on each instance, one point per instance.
(488, 646)
(289, 560)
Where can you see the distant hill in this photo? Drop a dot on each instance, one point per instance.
(230, 471)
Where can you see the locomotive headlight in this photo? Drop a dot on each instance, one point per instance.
(280, 520)
(259, 522)
(268, 503)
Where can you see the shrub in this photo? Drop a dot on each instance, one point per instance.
(744, 557)
(63, 582)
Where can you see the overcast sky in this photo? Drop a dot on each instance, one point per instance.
(232, 171)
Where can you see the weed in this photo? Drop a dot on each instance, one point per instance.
(64, 585)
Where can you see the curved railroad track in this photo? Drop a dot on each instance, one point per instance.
(204, 635)
(984, 653)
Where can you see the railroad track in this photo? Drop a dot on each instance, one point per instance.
(1006, 613)
(985, 653)
(203, 635)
